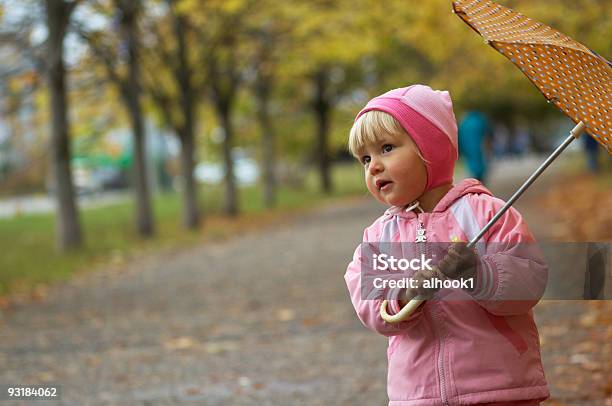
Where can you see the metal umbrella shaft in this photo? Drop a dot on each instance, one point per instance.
(414, 303)
(574, 134)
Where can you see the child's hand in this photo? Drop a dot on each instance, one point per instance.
(459, 262)
(424, 293)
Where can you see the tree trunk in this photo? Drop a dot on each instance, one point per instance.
(144, 218)
(191, 215)
(224, 83)
(262, 90)
(322, 108)
(231, 194)
(131, 94)
(68, 228)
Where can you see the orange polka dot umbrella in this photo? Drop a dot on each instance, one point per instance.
(569, 75)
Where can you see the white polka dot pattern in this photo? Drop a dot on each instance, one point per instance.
(570, 76)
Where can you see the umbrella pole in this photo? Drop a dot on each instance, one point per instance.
(574, 134)
(414, 303)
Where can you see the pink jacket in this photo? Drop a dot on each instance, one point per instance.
(479, 348)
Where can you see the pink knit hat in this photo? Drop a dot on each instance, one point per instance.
(427, 116)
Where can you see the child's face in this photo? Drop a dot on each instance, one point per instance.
(394, 172)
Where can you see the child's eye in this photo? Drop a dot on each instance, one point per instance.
(387, 148)
(365, 159)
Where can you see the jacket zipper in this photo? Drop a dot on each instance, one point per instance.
(441, 374)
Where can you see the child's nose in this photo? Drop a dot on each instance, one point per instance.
(375, 166)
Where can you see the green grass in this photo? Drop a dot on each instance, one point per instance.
(29, 257)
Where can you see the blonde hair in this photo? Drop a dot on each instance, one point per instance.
(371, 127)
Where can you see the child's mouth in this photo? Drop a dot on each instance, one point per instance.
(385, 186)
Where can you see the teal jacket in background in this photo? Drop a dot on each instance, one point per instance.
(473, 130)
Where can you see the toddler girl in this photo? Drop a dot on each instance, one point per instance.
(479, 345)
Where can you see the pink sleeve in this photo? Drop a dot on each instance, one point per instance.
(368, 310)
(512, 273)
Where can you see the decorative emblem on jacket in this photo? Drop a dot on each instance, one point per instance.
(420, 237)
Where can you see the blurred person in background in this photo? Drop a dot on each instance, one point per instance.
(501, 141)
(522, 140)
(591, 151)
(475, 134)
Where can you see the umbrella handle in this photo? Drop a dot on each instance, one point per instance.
(404, 312)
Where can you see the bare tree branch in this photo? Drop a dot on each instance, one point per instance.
(104, 53)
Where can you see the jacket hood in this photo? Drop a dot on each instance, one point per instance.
(464, 187)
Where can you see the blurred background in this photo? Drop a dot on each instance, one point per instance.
(136, 132)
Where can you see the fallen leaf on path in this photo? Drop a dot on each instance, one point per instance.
(217, 347)
(588, 319)
(579, 358)
(180, 343)
(285, 314)
(45, 376)
(193, 391)
(551, 402)
(309, 322)
(38, 294)
(4, 303)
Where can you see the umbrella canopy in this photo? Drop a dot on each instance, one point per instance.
(569, 75)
